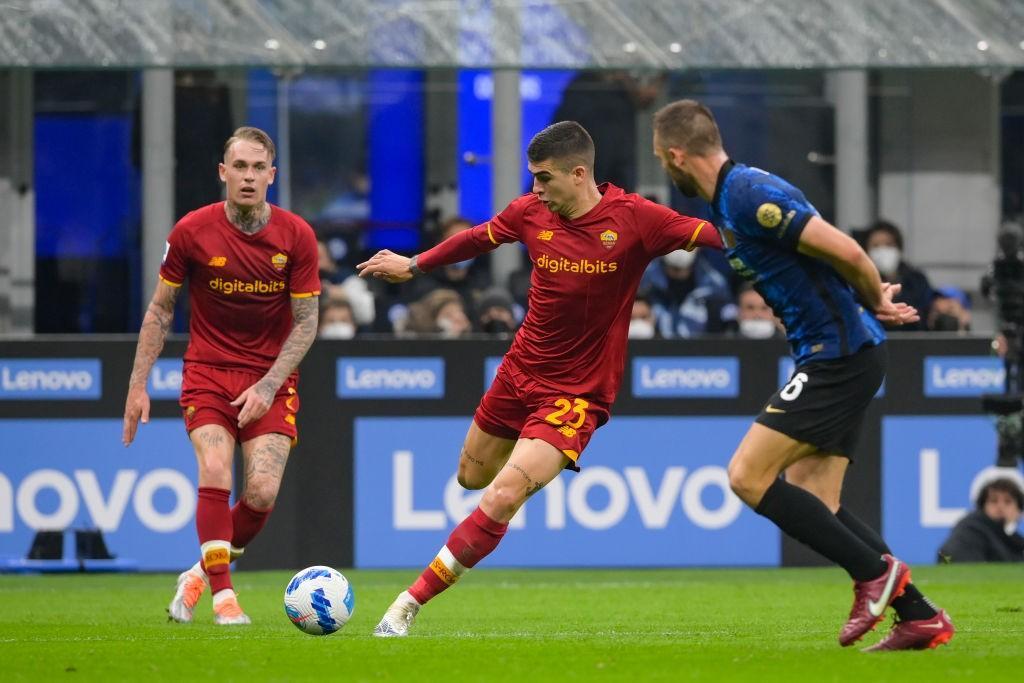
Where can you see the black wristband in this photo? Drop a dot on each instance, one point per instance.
(413, 267)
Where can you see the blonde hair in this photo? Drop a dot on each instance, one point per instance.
(252, 135)
(688, 125)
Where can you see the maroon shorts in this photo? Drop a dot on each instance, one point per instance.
(517, 406)
(207, 393)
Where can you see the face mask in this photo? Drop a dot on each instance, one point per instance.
(339, 330)
(887, 259)
(944, 322)
(757, 328)
(641, 329)
(447, 327)
(680, 258)
(496, 326)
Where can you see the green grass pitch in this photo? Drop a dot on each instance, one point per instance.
(512, 625)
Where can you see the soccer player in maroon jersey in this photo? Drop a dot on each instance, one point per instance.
(254, 289)
(589, 245)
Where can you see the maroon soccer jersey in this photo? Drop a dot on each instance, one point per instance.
(585, 275)
(240, 285)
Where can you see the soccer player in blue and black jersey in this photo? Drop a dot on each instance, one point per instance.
(829, 296)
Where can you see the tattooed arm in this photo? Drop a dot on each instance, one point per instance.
(257, 399)
(155, 326)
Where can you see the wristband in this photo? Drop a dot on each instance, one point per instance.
(413, 267)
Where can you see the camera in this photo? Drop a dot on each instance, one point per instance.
(1004, 283)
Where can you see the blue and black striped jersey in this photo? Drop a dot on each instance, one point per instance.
(760, 217)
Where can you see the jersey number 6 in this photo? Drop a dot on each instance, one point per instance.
(795, 386)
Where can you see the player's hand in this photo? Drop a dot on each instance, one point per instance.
(387, 266)
(136, 407)
(255, 402)
(893, 313)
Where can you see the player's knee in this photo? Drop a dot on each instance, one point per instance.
(472, 478)
(213, 472)
(501, 503)
(261, 493)
(744, 483)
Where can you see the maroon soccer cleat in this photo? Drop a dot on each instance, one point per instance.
(921, 634)
(870, 598)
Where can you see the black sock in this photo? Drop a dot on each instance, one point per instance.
(911, 605)
(803, 516)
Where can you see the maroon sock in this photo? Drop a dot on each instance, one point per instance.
(470, 542)
(246, 522)
(213, 522)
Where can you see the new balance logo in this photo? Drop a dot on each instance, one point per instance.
(218, 261)
(545, 235)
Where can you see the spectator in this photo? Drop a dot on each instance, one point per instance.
(329, 271)
(884, 244)
(337, 321)
(468, 278)
(755, 318)
(642, 322)
(441, 312)
(989, 534)
(690, 297)
(497, 313)
(950, 310)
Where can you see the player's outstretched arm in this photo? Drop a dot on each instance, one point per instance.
(824, 241)
(389, 266)
(257, 399)
(155, 326)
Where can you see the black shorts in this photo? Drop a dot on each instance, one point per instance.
(823, 403)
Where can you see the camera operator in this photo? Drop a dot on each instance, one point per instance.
(1005, 284)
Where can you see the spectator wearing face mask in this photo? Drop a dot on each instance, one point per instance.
(439, 313)
(950, 311)
(990, 533)
(642, 322)
(884, 244)
(690, 296)
(337, 321)
(497, 314)
(754, 317)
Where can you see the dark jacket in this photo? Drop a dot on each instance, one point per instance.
(978, 538)
(917, 292)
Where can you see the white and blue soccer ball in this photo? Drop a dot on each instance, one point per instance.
(319, 600)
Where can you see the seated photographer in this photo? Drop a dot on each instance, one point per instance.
(990, 534)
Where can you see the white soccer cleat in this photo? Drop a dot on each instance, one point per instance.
(227, 612)
(399, 617)
(191, 585)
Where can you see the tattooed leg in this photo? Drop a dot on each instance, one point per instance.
(265, 457)
(531, 466)
(482, 457)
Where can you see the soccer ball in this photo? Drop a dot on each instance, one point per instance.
(319, 600)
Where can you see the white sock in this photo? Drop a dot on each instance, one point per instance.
(407, 596)
(198, 569)
(222, 595)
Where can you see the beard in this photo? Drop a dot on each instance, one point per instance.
(684, 182)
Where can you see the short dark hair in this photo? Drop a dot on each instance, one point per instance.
(688, 125)
(1004, 484)
(252, 135)
(882, 225)
(567, 143)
